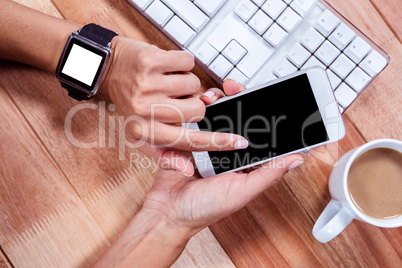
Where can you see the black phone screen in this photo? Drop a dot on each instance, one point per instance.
(275, 120)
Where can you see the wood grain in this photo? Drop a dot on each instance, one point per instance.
(47, 122)
(391, 12)
(35, 198)
(4, 263)
(92, 193)
(106, 161)
(43, 6)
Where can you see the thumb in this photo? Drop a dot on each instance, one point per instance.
(176, 161)
(271, 173)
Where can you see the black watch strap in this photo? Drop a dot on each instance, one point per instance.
(99, 35)
(75, 93)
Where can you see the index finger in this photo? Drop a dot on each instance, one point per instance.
(231, 87)
(182, 138)
(175, 61)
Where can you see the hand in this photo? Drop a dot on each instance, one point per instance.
(191, 203)
(154, 89)
(143, 77)
(177, 207)
(179, 160)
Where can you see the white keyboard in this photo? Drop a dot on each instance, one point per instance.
(256, 41)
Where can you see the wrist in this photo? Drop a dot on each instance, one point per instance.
(159, 225)
(116, 48)
(66, 28)
(148, 241)
(32, 37)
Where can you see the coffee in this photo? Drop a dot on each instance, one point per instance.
(375, 183)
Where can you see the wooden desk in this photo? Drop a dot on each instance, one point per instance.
(62, 205)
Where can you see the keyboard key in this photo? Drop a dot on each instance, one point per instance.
(206, 53)
(221, 66)
(260, 22)
(252, 62)
(269, 78)
(210, 7)
(234, 52)
(142, 4)
(179, 31)
(373, 63)
(245, 9)
(312, 62)
(342, 36)
(333, 79)
(284, 68)
(357, 50)
(237, 46)
(358, 79)
(327, 53)
(159, 13)
(320, 6)
(312, 39)
(289, 20)
(342, 66)
(275, 35)
(302, 6)
(326, 22)
(274, 8)
(258, 2)
(298, 55)
(188, 12)
(232, 27)
(238, 76)
(345, 95)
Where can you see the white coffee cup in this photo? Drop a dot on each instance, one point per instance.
(341, 210)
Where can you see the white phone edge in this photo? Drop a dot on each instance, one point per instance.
(327, 106)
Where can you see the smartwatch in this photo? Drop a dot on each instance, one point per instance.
(84, 61)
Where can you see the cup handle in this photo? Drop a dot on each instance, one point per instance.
(335, 217)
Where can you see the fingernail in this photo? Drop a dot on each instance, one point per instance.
(241, 144)
(295, 164)
(209, 94)
(187, 175)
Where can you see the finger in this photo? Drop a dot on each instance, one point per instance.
(173, 160)
(179, 84)
(175, 61)
(231, 87)
(211, 95)
(192, 140)
(174, 111)
(270, 173)
(169, 159)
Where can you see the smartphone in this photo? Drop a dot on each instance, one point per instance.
(289, 115)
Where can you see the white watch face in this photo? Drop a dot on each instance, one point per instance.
(82, 64)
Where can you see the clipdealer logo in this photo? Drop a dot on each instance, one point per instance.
(117, 126)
